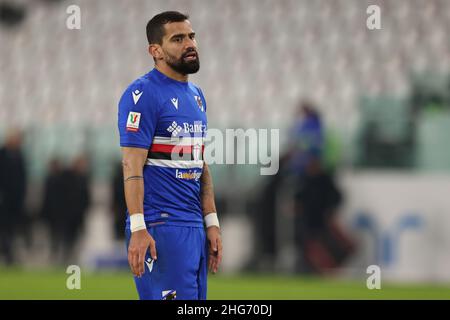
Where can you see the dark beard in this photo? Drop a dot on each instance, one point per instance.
(183, 67)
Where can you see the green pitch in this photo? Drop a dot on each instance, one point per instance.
(17, 284)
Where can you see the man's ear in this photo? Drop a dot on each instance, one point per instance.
(155, 51)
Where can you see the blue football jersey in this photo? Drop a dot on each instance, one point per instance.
(168, 118)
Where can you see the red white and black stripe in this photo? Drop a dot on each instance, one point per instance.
(176, 152)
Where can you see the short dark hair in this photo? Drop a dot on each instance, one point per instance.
(155, 27)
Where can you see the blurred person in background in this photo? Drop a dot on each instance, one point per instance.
(77, 199)
(66, 201)
(118, 204)
(322, 242)
(306, 138)
(53, 205)
(263, 210)
(12, 193)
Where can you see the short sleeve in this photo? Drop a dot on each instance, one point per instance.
(137, 117)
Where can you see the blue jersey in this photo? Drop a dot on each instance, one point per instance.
(167, 118)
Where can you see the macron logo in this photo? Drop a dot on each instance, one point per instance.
(136, 96)
(149, 263)
(175, 102)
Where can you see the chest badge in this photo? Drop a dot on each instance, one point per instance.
(199, 103)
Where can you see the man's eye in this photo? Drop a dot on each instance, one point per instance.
(192, 36)
(177, 39)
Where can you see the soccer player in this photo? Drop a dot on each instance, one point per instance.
(168, 187)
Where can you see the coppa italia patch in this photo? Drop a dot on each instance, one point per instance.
(133, 121)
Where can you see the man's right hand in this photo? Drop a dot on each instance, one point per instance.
(139, 243)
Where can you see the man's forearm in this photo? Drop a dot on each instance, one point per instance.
(207, 191)
(134, 188)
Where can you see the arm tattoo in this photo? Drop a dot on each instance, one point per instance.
(207, 192)
(206, 183)
(134, 178)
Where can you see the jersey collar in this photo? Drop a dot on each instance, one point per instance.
(162, 76)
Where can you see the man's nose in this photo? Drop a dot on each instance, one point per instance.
(190, 43)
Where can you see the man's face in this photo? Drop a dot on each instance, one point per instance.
(180, 47)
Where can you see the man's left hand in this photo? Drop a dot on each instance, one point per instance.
(215, 248)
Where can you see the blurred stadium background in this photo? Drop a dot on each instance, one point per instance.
(384, 102)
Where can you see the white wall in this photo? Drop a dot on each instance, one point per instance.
(420, 253)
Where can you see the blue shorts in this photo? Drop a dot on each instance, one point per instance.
(180, 271)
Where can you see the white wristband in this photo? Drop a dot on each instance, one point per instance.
(137, 222)
(211, 220)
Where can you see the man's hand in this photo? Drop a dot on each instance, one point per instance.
(215, 248)
(139, 243)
